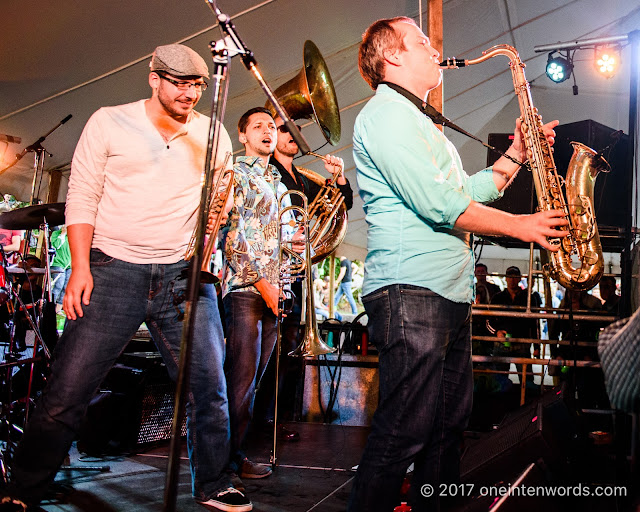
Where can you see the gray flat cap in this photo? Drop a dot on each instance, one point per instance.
(178, 60)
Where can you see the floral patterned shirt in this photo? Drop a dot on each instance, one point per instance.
(250, 237)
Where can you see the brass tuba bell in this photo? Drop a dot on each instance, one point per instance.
(310, 95)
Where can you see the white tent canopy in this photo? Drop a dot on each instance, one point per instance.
(74, 56)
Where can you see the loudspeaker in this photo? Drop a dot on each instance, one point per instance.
(538, 431)
(611, 197)
(133, 409)
(520, 197)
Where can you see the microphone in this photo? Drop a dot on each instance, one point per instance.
(9, 138)
(615, 136)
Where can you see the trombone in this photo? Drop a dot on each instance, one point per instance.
(293, 266)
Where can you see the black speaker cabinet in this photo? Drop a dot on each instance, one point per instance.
(538, 431)
(612, 202)
(520, 197)
(133, 409)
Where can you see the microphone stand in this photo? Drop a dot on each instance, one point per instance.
(250, 63)
(38, 170)
(221, 58)
(40, 152)
(222, 51)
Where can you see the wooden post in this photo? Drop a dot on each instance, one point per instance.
(55, 176)
(332, 280)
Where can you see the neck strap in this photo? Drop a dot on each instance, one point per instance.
(438, 118)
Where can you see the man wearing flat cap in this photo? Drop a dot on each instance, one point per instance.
(131, 209)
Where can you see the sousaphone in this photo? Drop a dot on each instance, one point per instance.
(311, 95)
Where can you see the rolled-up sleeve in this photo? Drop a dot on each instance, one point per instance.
(482, 188)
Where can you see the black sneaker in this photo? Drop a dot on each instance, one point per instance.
(230, 500)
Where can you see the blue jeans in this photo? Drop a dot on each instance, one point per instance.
(345, 289)
(324, 313)
(251, 336)
(426, 388)
(124, 296)
(59, 280)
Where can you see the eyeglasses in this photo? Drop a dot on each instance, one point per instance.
(184, 86)
(283, 129)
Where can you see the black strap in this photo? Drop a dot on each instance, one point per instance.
(438, 118)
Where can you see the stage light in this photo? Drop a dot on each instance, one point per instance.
(607, 61)
(558, 68)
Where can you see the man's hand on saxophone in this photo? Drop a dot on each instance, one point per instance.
(504, 170)
(538, 227)
(541, 226)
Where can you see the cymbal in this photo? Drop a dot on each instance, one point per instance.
(30, 217)
(17, 269)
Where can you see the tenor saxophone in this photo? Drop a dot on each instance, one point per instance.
(578, 264)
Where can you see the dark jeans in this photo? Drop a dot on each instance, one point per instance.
(426, 390)
(124, 296)
(251, 336)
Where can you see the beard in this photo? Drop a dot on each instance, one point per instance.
(174, 107)
(288, 149)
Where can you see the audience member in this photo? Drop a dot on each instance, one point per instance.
(484, 287)
(60, 265)
(589, 382)
(513, 327)
(343, 284)
(609, 296)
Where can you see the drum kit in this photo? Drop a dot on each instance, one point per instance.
(21, 376)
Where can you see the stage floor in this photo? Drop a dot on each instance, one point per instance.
(314, 473)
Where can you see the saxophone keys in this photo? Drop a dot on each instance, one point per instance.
(591, 257)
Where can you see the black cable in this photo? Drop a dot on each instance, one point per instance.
(320, 405)
(330, 399)
(335, 382)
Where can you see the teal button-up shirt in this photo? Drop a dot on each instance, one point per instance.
(414, 189)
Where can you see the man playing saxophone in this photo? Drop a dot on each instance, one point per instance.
(420, 209)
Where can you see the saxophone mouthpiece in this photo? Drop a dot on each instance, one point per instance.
(453, 63)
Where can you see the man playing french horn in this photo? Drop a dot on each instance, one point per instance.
(420, 209)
